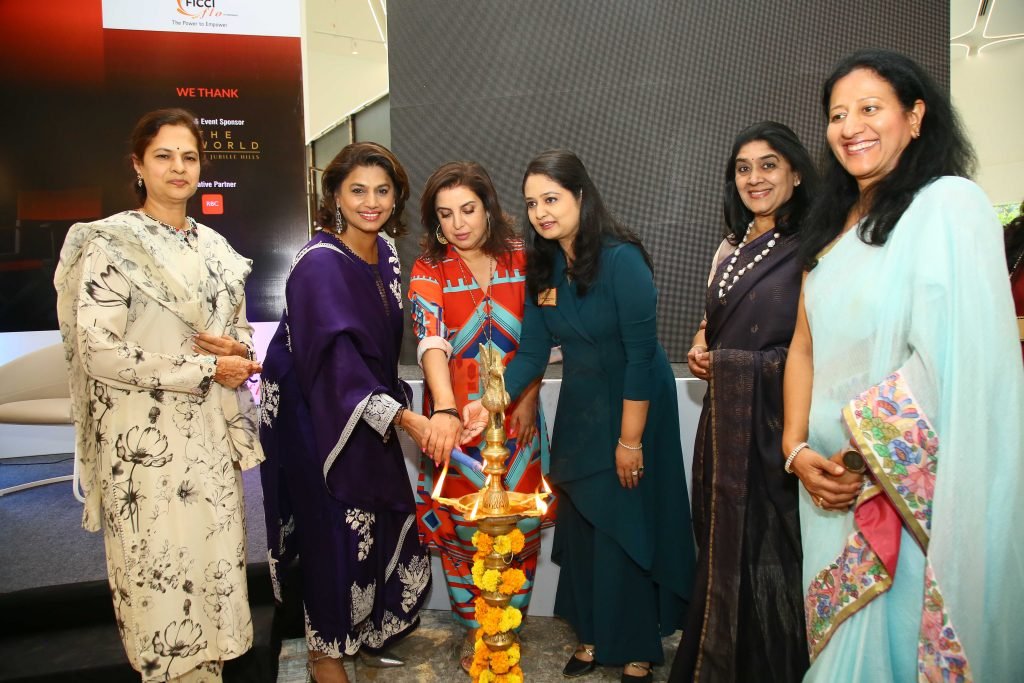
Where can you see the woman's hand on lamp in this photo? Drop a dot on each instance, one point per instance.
(444, 434)
(522, 424)
(474, 420)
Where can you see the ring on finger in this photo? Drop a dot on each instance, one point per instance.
(819, 501)
(635, 472)
(640, 469)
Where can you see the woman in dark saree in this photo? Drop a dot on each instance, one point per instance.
(336, 491)
(745, 620)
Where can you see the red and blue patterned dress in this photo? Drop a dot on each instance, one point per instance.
(450, 308)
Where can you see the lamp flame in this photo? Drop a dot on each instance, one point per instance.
(440, 482)
(539, 501)
(544, 483)
(472, 513)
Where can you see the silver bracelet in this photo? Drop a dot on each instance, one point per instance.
(792, 454)
(638, 447)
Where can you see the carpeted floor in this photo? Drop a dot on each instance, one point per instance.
(42, 542)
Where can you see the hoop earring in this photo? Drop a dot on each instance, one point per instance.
(339, 222)
(440, 235)
(138, 179)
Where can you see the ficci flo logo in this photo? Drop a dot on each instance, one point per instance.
(198, 9)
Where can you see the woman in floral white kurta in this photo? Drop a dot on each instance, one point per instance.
(160, 443)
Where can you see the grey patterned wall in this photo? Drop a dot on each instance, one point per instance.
(649, 93)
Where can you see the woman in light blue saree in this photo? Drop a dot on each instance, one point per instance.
(904, 366)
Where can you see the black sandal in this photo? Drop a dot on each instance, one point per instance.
(577, 667)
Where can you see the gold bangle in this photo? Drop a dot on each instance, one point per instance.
(638, 447)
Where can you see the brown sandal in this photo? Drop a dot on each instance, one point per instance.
(468, 650)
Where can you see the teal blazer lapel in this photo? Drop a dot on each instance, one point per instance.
(568, 302)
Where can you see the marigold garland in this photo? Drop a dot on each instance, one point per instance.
(501, 666)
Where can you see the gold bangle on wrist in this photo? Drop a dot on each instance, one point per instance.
(638, 447)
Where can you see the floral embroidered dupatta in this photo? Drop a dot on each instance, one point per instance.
(203, 290)
(915, 356)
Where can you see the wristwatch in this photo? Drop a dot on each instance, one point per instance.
(854, 461)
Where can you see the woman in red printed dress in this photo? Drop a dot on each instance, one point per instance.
(467, 289)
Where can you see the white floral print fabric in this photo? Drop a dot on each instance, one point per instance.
(160, 444)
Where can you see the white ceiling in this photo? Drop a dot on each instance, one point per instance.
(345, 59)
(986, 75)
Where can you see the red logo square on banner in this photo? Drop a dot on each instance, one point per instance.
(213, 204)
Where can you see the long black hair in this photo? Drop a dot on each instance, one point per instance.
(596, 225)
(941, 149)
(790, 215)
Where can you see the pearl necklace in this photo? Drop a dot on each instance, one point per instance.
(724, 285)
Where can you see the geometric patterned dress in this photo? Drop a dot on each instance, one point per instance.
(450, 310)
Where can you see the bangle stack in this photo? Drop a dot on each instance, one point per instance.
(398, 416)
(792, 454)
(454, 412)
(638, 447)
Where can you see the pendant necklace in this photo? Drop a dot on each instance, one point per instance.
(725, 284)
(492, 265)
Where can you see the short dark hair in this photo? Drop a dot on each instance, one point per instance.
(501, 234)
(789, 216)
(351, 157)
(941, 149)
(149, 127)
(597, 225)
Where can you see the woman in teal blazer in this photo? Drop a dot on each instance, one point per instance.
(622, 538)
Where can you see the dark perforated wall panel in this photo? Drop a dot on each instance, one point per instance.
(649, 93)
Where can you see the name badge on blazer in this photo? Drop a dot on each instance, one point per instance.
(548, 297)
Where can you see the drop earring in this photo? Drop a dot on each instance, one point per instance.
(440, 235)
(339, 222)
(138, 179)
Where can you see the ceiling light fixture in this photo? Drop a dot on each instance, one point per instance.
(977, 39)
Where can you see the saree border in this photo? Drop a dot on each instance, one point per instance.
(711, 525)
(940, 654)
(899, 449)
(831, 600)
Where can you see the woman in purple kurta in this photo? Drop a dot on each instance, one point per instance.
(336, 492)
(745, 620)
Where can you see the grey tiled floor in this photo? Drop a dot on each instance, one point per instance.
(430, 653)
